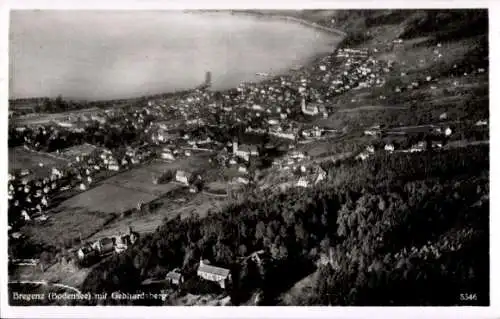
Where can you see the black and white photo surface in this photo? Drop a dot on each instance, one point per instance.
(249, 157)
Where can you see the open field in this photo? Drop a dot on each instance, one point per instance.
(141, 180)
(166, 208)
(20, 158)
(332, 146)
(107, 198)
(66, 226)
(190, 163)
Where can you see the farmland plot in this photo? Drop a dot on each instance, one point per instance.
(20, 158)
(141, 179)
(108, 198)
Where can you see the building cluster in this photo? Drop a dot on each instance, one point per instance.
(193, 181)
(105, 246)
(310, 176)
(28, 198)
(219, 275)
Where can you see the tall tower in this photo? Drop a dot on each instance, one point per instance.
(235, 146)
(208, 79)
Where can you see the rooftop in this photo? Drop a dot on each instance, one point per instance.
(223, 272)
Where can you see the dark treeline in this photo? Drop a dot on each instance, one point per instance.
(62, 104)
(396, 230)
(108, 135)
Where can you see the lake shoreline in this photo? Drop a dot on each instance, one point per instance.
(105, 103)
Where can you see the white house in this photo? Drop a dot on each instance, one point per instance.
(182, 177)
(244, 152)
(321, 175)
(242, 169)
(242, 180)
(297, 155)
(363, 156)
(167, 154)
(113, 167)
(221, 276)
(389, 148)
(447, 132)
(371, 132)
(308, 110)
(302, 182)
(25, 215)
(273, 122)
(418, 148)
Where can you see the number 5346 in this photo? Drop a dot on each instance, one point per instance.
(468, 297)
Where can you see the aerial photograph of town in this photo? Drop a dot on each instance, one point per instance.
(249, 158)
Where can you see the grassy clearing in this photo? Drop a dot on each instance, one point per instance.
(107, 198)
(141, 179)
(166, 209)
(300, 292)
(20, 158)
(65, 227)
(188, 164)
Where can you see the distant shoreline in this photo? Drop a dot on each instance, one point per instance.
(305, 22)
(256, 14)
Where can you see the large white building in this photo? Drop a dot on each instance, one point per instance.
(221, 276)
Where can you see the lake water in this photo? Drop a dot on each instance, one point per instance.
(105, 55)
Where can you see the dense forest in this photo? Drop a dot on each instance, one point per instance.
(397, 230)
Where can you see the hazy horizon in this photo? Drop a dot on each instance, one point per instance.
(121, 54)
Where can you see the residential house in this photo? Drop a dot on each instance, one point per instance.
(436, 144)
(113, 167)
(363, 156)
(86, 252)
(371, 132)
(175, 277)
(65, 124)
(221, 276)
(242, 180)
(273, 122)
(167, 154)
(242, 169)
(104, 246)
(308, 110)
(303, 182)
(242, 152)
(447, 132)
(419, 147)
(297, 155)
(254, 151)
(182, 177)
(320, 175)
(25, 215)
(121, 243)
